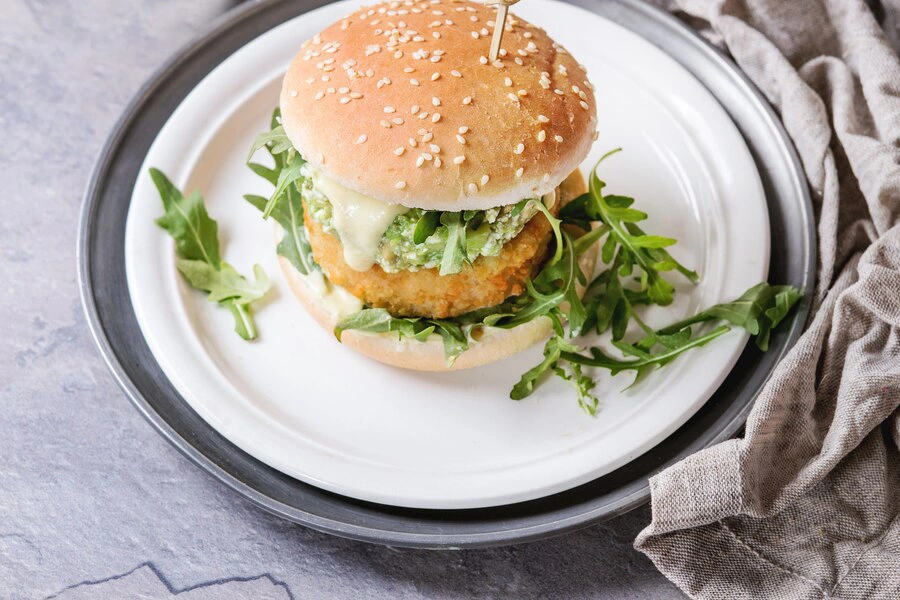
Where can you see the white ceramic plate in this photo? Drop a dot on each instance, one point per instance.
(299, 401)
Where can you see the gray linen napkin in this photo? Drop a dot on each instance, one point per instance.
(807, 503)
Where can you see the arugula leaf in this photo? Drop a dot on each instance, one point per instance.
(197, 245)
(555, 224)
(426, 226)
(553, 350)
(379, 320)
(288, 163)
(186, 220)
(290, 174)
(294, 246)
(224, 283)
(455, 249)
(759, 310)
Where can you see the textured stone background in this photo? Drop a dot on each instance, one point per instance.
(88, 491)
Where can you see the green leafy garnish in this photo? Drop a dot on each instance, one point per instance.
(609, 301)
(288, 163)
(288, 213)
(197, 246)
(378, 320)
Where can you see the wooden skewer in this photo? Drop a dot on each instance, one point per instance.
(499, 24)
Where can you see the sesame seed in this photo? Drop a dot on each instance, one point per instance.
(399, 151)
(542, 135)
(519, 149)
(436, 101)
(498, 63)
(436, 35)
(546, 177)
(293, 93)
(527, 35)
(508, 82)
(519, 172)
(483, 60)
(460, 139)
(422, 131)
(355, 95)
(423, 115)
(331, 90)
(558, 138)
(435, 148)
(503, 51)
(467, 100)
(398, 54)
(522, 93)
(459, 160)
(361, 139)
(408, 70)
(521, 52)
(385, 124)
(345, 100)
(584, 105)
(435, 76)
(558, 92)
(437, 161)
(397, 121)
(343, 90)
(455, 73)
(414, 109)
(414, 81)
(519, 61)
(428, 137)
(400, 185)
(320, 95)
(582, 95)
(512, 97)
(576, 89)
(543, 119)
(472, 188)
(420, 161)
(475, 35)
(435, 117)
(484, 31)
(485, 179)
(389, 109)
(412, 142)
(428, 156)
(436, 58)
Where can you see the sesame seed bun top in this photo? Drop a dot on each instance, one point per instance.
(398, 101)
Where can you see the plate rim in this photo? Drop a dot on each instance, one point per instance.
(627, 13)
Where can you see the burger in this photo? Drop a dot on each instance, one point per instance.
(418, 182)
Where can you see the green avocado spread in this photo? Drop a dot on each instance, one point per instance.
(486, 231)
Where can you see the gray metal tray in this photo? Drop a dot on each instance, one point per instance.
(116, 332)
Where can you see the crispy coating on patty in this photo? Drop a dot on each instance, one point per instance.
(488, 281)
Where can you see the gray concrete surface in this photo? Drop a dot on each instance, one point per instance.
(93, 503)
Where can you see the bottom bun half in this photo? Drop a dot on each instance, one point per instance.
(493, 345)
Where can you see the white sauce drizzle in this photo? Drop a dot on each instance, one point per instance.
(360, 221)
(336, 300)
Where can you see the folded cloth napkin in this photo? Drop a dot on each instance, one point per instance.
(806, 504)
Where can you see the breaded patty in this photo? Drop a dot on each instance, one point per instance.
(488, 281)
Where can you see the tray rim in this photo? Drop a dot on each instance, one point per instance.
(633, 495)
